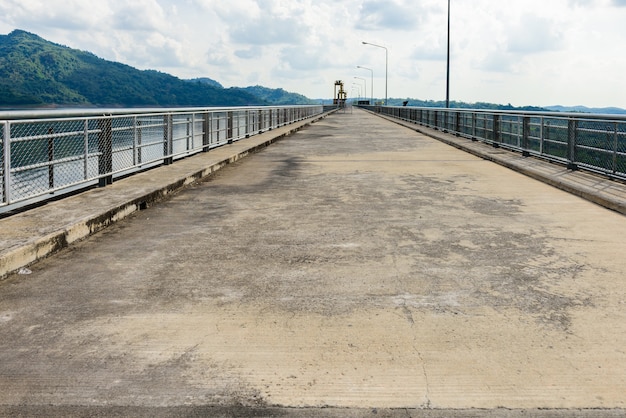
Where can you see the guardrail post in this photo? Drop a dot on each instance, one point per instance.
(138, 133)
(105, 150)
(615, 148)
(189, 133)
(474, 126)
(526, 136)
(206, 134)
(544, 126)
(229, 129)
(496, 131)
(168, 141)
(248, 123)
(572, 137)
(86, 148)
(194, 120)
(51, 158)
(6, 167)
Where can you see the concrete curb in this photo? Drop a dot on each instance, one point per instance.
(304, 412)
(605, 192)
(23, 240)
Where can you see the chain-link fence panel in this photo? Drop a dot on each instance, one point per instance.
(595, 142)
(43, 155)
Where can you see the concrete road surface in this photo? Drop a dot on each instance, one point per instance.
(355, 268)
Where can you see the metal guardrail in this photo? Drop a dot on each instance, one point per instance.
(588, 141)
(44, 154)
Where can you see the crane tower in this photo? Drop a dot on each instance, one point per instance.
(340, 96)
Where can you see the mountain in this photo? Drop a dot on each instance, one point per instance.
(208, 81)
(463, 105)
(585, 109)
(273, 96)
(35, 72)
(278, 96)
(494, 106)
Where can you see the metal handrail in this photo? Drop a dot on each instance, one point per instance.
(57, 151)
(594, 142)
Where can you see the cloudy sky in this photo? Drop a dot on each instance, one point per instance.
(523, 52)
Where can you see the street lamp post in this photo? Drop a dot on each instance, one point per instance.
(372, 86)
(364, 86)
(386, 65)
(448, 63)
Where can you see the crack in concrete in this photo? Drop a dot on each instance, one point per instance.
(408, 314)
(427, 404)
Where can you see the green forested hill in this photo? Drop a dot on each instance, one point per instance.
(278, 96)
(36, 72)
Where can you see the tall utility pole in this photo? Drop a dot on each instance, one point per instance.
(448, 63)
(386, 65)
(372, 86)
(364, 86)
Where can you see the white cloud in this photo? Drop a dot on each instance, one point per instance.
(581, 3)
(386, 14)
(139, 15)
(231, 10)
(250, 53)
(519, 51)
(534, 34)
(269, 30)
(305, 59)
(500, 62)
(41, 15)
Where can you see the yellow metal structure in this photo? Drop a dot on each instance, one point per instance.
(340, 96)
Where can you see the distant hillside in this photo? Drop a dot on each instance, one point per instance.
(35, 72)
(464, 105)
(584, 109)
(273, 96)
(494, 106)
(207, 80)
(278, 96)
